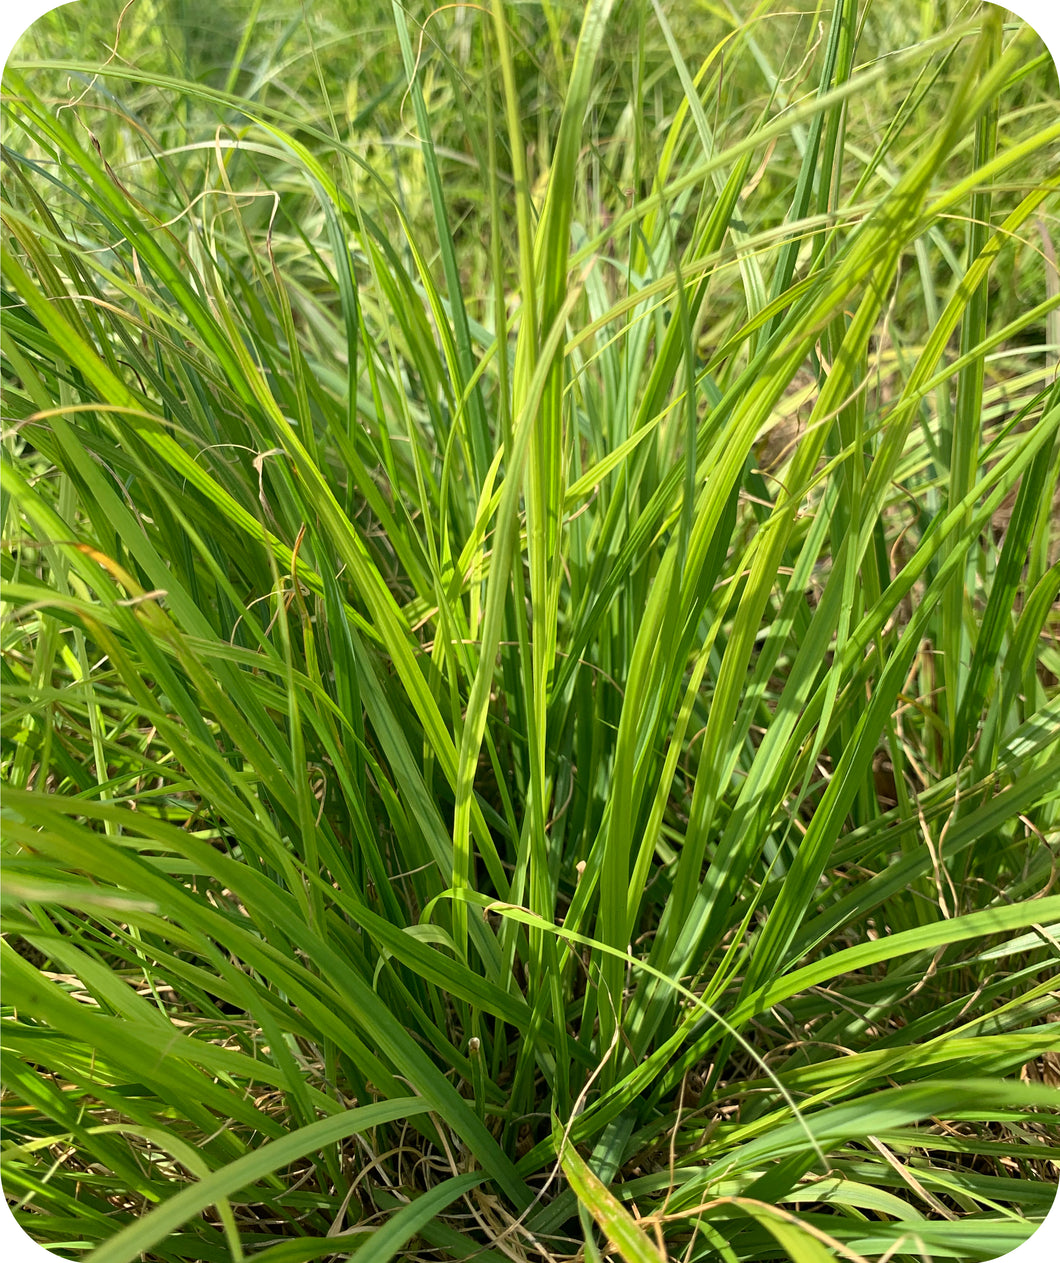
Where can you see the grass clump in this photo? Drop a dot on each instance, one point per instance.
(530, 632)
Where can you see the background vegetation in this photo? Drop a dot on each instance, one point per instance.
(530, 631)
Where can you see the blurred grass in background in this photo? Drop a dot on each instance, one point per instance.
(530, 624)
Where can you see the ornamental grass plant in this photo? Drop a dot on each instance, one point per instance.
(531, 647)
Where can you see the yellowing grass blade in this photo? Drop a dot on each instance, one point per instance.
(621, 1228)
